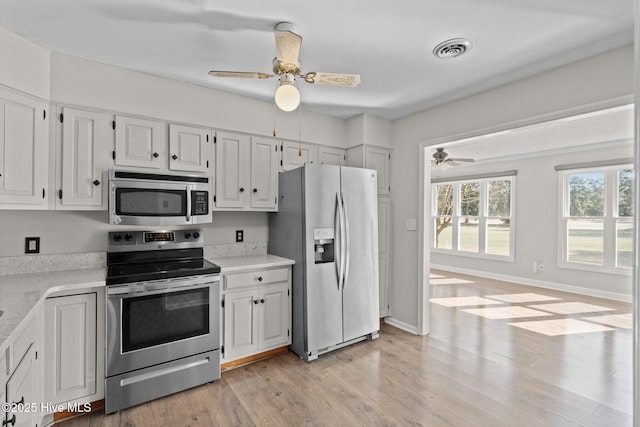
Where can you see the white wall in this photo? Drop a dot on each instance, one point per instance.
(606, 77)
(536, 228)
(24, 66)
(370, 130)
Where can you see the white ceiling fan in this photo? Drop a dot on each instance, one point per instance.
(441, 157)
(286, 66)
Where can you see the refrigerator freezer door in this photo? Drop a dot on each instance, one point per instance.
(360, 289)
(323, 299)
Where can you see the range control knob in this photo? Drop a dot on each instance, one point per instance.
(128, 237)
(196, 235)
(187, 235)
(117, 237)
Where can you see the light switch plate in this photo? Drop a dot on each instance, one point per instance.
(411, 224)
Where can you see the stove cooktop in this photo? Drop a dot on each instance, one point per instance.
(157, 270)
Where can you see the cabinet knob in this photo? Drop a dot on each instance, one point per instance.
(156, 155)
(255, 301)
(20, 402)
(96, 182)
(174, 157)
(255, 190)
(242, 189)
(260, 279)
(12, 421)
(262, 300)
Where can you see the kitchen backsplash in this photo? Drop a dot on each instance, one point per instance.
(59, 262)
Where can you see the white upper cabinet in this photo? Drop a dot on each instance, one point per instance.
(380, 160)
(24, 152)
(332, 156)
(140, 143)
(82, 176)
(296, 154)
(232, 170)
(189, 148)
(246, 172)
(264, 173)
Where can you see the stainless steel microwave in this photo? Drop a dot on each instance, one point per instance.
(137, 198)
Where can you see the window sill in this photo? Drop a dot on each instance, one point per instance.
(473, 255)
(596, 269)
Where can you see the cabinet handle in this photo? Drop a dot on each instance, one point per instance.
(96, 182)
(260, 279)
(255, 190)
(12, 421)
(174, 157)
(262, 300)
(156, 155)
(242, 189)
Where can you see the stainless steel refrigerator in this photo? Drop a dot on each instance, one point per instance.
(327, 221)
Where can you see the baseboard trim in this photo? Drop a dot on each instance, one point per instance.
(253, 358)
(537, 283)
(401, 325)
(65, 415)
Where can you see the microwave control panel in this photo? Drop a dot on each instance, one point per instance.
(199, 202)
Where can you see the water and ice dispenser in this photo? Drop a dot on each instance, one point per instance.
(323, 241)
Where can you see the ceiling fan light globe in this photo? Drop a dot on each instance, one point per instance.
(287, 97)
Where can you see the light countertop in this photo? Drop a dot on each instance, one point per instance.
(21, 293)
(237, 263)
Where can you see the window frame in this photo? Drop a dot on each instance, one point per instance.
(483, 217)
(610, 219)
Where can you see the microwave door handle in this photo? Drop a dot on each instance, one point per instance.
(188, 203)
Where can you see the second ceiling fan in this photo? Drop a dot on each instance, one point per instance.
(286, 66)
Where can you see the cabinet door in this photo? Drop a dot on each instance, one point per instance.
(82, 160)
(240, 324)
(274, 317)
(140, 143)
(332, 156)
(70, 347)
(379, 159)
(295, 154)
(189, 148)
(264, 173)
(384, 226)
(20, 388)
(23, 152)
(232, 170)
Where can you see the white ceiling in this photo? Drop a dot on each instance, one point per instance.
(388, 43)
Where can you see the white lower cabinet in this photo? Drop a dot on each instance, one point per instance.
(21, 393)
(73, 364)
(258, 317)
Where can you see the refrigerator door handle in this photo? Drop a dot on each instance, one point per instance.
(338, 240)
(345, 237)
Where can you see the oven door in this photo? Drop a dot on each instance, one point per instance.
(153, 322)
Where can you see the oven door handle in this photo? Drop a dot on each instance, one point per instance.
(188, 203)
(149, 288)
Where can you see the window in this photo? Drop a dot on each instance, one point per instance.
(597, 218)
(474, 217)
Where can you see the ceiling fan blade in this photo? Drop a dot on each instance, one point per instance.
(333, 79)
(287, 43)
(242, 74)
(452, 162)
(462, 160)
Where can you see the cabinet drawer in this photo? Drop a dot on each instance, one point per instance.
(22, 343)
(254, 278)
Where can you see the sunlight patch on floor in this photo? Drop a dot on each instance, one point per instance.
(526, 297)
(624, 321)
(449, 281)
(435, 276)
(570, 308)
(560, 327)
(506, 312)
(463, 301)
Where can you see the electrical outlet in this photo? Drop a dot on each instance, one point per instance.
(31, 245)
(239, 235)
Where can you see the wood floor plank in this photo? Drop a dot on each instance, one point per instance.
(470, 371)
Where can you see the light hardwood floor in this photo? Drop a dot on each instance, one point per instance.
(472, 370)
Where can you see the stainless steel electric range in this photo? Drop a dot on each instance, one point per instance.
(163, 321)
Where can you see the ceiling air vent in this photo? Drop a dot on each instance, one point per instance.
(451, 48)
